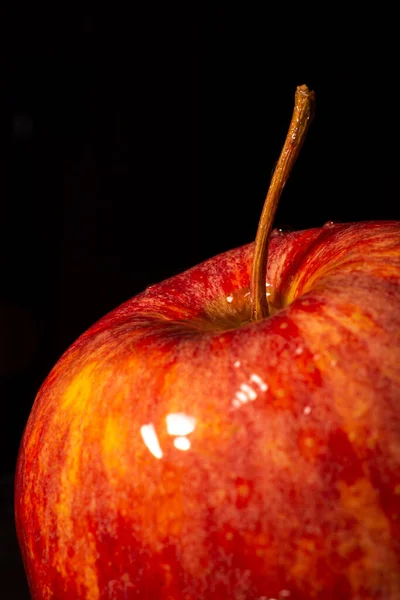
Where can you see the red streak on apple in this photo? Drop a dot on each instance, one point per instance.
(179, 451)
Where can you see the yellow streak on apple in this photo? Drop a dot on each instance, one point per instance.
(75, 400)
(360, 501)
(114, 442)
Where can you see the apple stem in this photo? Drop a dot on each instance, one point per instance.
(303, 113)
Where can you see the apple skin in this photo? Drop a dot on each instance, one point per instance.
(291, 485)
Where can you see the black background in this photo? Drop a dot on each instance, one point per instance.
(139, 144)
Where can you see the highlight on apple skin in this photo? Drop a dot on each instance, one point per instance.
(180, 450)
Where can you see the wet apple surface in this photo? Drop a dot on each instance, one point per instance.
(179, 450)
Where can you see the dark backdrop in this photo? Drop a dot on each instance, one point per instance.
(138, 145)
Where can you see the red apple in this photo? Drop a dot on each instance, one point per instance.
(182, 449)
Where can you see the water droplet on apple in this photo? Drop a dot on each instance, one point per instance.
(248, 390)
(261, 384)
(307, 410)
(280, 231)
(241, 396)
(329, 224)
(275, 232)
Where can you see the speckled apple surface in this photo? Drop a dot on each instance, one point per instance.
(177, 451)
